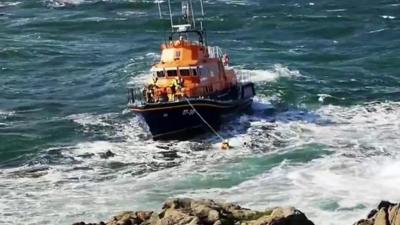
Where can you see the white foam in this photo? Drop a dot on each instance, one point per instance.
(141, 77)
(6, 114)
(322, 97)
(263, 103)
(87, 119)
(336, 10)
(271, 75)
(235, 2)
(64, 3)
(388, 17)
(358, 166)
(5, 4)
(376, 31)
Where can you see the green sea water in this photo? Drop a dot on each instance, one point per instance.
(324, 134)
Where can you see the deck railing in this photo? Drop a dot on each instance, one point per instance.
(136, 95)
(215, 52)
(243, 76)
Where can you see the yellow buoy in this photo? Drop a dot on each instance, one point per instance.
(225, 145)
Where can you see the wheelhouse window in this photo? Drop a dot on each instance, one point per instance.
(194, 72)
(203, 71)
(184, 72)
(160, 73)
(172, 73)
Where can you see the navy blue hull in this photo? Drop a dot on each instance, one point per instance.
(178, 120)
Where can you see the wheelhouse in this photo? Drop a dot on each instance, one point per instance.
(176, 72)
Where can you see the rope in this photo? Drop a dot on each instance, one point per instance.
(201, 117)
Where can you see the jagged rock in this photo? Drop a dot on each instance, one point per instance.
(385, 205)
(187, 211)
(282, 216)
(386, 213)
(381, 217)
(131, 218)
(372, 213)
(364, 222)
(394, 215)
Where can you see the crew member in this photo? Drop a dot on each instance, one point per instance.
(225, 59)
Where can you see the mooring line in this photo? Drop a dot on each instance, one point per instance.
(202, 118)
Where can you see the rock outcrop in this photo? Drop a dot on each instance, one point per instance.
(387, 213)
(208, 212)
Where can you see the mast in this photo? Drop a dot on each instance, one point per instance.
(170, 15)
(188, 19)
(187, 22)
(191, 9)
(159, 8)
(202, 14)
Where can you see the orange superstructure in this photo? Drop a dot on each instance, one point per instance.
(191, 69)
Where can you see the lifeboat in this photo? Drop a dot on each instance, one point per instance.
(192, 88)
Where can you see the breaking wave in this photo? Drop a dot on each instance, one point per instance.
(278, 71)
(6, 114)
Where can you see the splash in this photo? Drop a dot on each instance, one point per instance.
(64, 3)
(141, 77)
(279, 71)
(6, 4)
(6, 114)
(236, 2)
(388, 17)
(87, 119)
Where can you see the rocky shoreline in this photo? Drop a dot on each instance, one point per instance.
(185, 211)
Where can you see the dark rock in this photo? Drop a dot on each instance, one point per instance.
(387, 213)
(107, 154)
(372, 214)
(86, 155)
(364, 222)
(170, 154)
(385, 204)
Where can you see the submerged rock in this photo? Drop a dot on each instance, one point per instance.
(107, 154)
(187, 211)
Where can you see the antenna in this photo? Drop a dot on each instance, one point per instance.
(191, 9)
(188, 21)
(170, 15)
(202, 14)
(159, 8)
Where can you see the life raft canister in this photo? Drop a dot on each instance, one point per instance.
(225, 59)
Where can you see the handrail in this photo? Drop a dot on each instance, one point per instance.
(243, 76)
(215, 52)
(139, 96)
